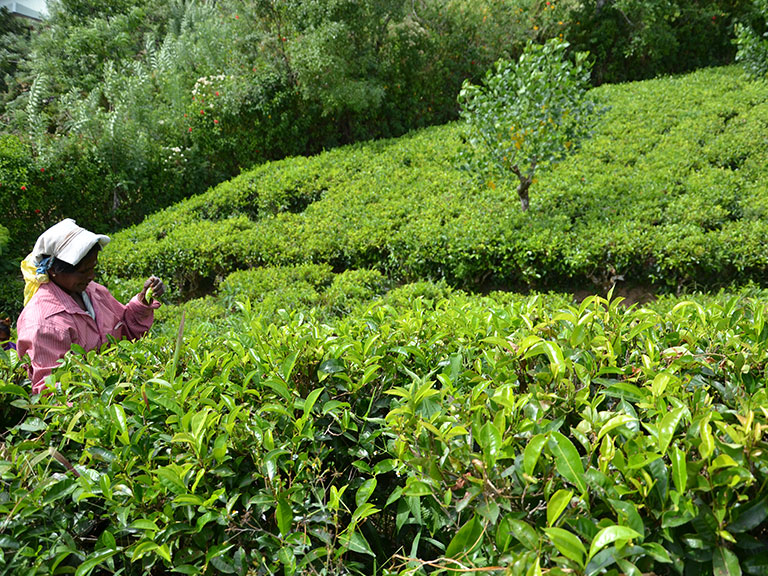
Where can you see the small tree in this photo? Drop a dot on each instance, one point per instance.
(529, 113)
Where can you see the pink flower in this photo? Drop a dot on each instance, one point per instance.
(23, 187)
(217, 93)
(190, 129)
(42, 169)
(237, 17)
(202, 111)
(215, 121)
(37, 210)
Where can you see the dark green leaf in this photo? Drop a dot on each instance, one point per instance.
(725, 563)
(284, 516)
(466, 539)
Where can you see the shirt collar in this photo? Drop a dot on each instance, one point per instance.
(58, 300)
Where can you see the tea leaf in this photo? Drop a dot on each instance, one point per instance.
(356, 542)
(532, 452)
(567, 460)
(284, 516)
(668, 426)
(609, 535)
(725, 563)
(615, 422)
(557, 504)
(365, 491)
(466, 539)
(95, 560)
(567, 544)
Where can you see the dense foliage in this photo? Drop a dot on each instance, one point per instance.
(303, 408)
(14, 46)
(634, 39)
(138, 104)
(753, 44)
(668, 192)
(415, 436)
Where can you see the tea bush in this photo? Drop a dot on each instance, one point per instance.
(434, 436)
(669, 192)
(271, 290)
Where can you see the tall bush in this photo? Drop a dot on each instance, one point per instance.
(636, 39)
(752, 42)
(21, 202)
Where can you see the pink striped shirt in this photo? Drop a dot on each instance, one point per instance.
(52, 321)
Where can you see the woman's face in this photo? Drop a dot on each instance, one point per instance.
(78, 280)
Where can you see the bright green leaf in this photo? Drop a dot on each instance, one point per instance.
(609, 535)
(557, 504)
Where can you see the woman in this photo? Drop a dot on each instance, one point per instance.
(64, 306)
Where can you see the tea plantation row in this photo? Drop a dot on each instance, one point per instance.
(513, 435)
(669, 192)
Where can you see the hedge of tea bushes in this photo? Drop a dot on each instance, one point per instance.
(271, 291)
(521, 435)
(275, 292)
(670, 191)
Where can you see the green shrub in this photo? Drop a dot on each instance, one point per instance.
(353, 288)
(750, 39)
(21, 203)
(12, 287)
(636, 39)
(269, 289)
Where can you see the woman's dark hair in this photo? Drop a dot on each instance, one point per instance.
(61, 267)
(5, 329)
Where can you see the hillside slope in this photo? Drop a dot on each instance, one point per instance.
(669, 192)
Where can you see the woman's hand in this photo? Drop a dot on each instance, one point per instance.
(154, 288)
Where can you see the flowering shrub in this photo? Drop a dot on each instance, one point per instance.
(17, 202)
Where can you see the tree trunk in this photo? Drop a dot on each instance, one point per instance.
(522, 192)
(525, 184)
